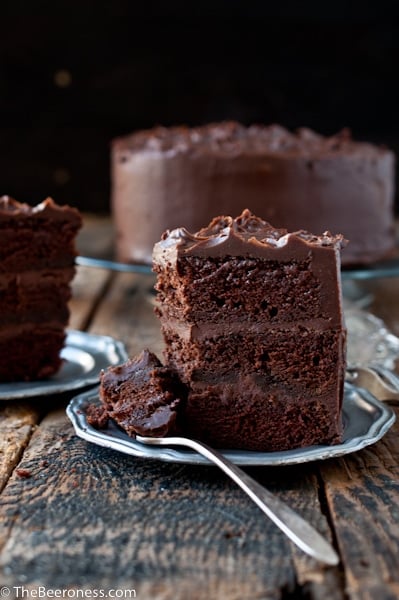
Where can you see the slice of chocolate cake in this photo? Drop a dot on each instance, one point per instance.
(142, 396)
(37, 255)
(253, 324)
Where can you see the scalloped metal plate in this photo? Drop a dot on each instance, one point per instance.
(84, 356)
(366, 420)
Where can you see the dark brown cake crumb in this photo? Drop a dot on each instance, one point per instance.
(142, 396)
(23, 473)
(96, 416)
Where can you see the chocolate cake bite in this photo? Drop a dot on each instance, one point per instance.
(165, 178)
(253, 325)
(142, 396)
(37, 256)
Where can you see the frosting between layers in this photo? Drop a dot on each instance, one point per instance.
(14, 330)
(203, 329)
(51, 276)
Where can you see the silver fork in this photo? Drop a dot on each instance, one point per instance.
(295, 527)
(381, 382)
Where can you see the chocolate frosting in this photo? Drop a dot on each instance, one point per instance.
(46, 209)
(169, 177)
(245, 235)
(249, 236)
(231, 137)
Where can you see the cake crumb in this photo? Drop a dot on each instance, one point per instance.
(97, 416)
(23, 473)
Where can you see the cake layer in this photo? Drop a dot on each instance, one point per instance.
(34, 296)
(23, 248)
(30, 352)
(298, 356)
(36, 237)
(170, 177)
(216, 289)
(246, 414)
(207, 276)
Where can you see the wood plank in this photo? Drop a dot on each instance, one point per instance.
(88, 516)
(127, 313)
(385, 301)
(96, 237)
(88, 287)
(17, 422)
(362, 492)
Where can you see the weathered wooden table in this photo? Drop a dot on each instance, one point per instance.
(77, 520)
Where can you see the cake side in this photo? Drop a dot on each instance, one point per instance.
(37, 255)
(37, 237)
(170, 177)
(238, 414)
(253, 324)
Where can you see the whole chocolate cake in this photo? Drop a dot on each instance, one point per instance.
(253, 324)
(37, 255)
(170, 177)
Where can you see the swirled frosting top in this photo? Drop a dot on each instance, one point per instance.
(245, 235)
(10, 208)
(233, 138)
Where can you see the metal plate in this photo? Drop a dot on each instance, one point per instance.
(365, 420)
(84, 356)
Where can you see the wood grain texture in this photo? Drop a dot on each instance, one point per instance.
(385, 301)
(127, 313)
(362, 492)
(88, 516)
(88, 287)
(95, 239)
(96, 236)
(17, 422)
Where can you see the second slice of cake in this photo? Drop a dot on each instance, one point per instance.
(253, 324)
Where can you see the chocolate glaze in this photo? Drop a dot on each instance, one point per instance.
(245, 235)
(164, 178)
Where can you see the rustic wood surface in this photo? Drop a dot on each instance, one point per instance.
(76, 516)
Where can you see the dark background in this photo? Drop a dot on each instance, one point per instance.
(70, 81)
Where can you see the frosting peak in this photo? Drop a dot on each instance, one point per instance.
(244, 235)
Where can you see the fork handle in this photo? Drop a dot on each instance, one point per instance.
(294, 526)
